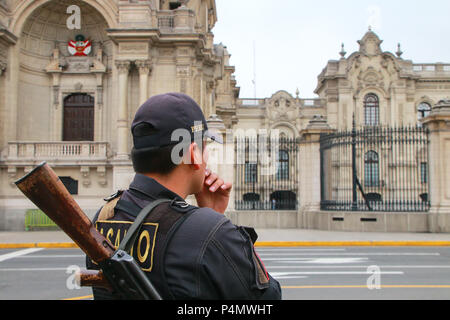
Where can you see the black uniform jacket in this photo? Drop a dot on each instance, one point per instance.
(207, 257)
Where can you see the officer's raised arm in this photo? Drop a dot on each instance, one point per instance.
(215, 193)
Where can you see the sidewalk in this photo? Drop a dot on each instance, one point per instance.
(267, 237)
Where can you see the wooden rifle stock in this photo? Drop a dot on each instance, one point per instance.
(44, 188)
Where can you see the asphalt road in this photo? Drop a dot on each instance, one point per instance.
(317, 273)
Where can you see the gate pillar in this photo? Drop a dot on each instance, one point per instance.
(438, 123)
(309, 168)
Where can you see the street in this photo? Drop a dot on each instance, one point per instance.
(315, 273)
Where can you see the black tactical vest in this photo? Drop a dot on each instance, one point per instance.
(152, 239)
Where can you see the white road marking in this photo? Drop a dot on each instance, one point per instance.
(285, 274)
(297, 250)
(352, 254)
(19, 253)
(355, 267)
(290, 277)
(33, 269)
(54, 256)
(336, 260)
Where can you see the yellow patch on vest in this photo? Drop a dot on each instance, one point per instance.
(144, 247)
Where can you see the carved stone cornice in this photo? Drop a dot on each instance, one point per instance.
(123, 66)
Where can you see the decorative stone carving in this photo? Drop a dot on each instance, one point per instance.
(57, 64)
(56, 95)
(78, 65)
(282, 107)
(85, 172)
(370, 44)
(12, 176)
(123, 66)
(144, 66)
(78, 87)
(183, 71)
(97, 62)
(101, 172)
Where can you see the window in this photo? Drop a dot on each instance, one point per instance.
(251, 197)
(371, 169)
(283, 200)
(174, 5)
(283, 166)
(423, 111)
(251, 173)
(424, 172)
(70, 184)
(371, 110)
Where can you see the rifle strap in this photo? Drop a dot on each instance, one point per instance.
(127, 243)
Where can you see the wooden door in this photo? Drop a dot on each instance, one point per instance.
(78, 118)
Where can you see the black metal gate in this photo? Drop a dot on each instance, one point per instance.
(375, 169)
(266, 174)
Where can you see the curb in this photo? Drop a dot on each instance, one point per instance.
(46, 245)
(285, 244)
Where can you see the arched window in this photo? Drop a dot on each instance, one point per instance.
(371, 169)
(371, 110)
(423, 111)
(283, 166)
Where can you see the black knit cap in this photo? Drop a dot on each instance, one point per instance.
(160, 116)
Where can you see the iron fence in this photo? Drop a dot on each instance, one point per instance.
(375, 169)
(266, 174)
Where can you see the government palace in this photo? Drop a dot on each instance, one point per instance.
(369, 153)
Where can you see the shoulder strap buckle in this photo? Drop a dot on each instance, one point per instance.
(114, 196)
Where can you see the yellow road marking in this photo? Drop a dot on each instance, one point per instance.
(81, 298)
(365, 287)
(47, 245)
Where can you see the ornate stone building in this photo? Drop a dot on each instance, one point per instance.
(74, 111)
(73, 73)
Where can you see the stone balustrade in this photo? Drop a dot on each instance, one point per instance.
(51, 151)
(428, 68)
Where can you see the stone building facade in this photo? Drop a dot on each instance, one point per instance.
(74, 110)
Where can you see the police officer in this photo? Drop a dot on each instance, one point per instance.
(187, 252)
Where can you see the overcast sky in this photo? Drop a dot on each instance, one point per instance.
(294, 39)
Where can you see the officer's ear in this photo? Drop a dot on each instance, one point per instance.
(196, 155)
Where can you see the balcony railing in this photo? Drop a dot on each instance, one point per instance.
(430, 68)
(22, 151)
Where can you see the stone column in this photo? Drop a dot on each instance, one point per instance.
(309, 169)
(144, 67)
(2, 67)
(123, 67)
(438, 123)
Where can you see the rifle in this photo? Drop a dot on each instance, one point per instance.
(120, 272)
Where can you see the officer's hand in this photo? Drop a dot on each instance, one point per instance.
(215, 193)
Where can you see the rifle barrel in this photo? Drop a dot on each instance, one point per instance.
(44, 188)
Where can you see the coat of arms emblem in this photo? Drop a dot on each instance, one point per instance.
(79, 47)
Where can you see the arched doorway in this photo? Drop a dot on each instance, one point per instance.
(78, 124)
(45, 39)
(283, 200)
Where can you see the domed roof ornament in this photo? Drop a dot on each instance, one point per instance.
(399, 51)
(343, 52)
